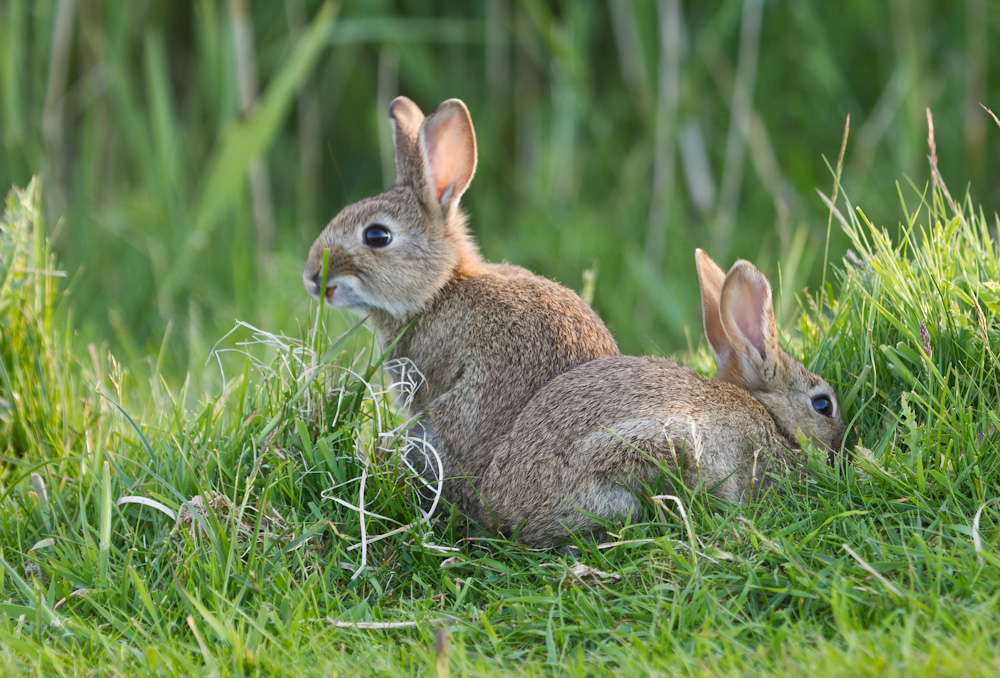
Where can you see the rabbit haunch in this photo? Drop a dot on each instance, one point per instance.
(488, 335)
(586, 443)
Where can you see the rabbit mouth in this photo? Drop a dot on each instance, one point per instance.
(339, 296)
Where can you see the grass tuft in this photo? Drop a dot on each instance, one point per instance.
(33, 353)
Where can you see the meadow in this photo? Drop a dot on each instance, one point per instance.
(179, 499)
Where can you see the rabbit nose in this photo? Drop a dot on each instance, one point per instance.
(311, 281)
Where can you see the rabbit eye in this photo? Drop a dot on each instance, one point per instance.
(823, 405)
(376, 236)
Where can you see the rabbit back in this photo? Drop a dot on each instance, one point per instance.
(587, 442)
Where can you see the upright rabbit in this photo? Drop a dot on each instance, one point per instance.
(585, 443)
(488, 335)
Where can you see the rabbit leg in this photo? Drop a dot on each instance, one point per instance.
(544, 492)
(604, 497)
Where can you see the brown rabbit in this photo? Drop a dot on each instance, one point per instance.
(586, 442)
(488, 335)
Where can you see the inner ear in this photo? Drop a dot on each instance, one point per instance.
(448, 145)
(748, 315)
(747, 309)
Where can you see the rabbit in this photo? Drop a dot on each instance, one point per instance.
(487, 336)
(583, 446)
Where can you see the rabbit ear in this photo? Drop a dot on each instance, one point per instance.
(406, 118)
(448, 147)
(710, 279)
(747, 316)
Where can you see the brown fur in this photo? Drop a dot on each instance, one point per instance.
(488, 335)
(588, 439)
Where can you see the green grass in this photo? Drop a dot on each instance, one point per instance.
(867, 568)
(589, 161)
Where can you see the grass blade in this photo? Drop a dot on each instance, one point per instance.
(105, 524)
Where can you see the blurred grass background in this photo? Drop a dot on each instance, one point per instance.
(192, 151)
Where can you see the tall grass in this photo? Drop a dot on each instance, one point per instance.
(34, 352)
(613, 137)
(919, 308)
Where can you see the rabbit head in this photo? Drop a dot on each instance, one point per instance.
(394, 251)
(740, 326)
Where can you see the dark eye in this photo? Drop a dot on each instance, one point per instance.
(823, 405)
(377, 236)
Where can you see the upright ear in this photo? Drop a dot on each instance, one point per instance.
(748, 319)
(710, 279)
(448, 149)
(406, 118)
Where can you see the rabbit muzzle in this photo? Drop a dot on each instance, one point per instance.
(337, 291)
(334, 294)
